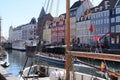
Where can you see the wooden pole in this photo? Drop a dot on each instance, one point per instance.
(67, 66)
(100, 56)
(67, 28)
(67, 39)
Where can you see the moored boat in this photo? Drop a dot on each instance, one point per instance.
(4, 64)
(31, 46)
(18, 45)
(45, 72)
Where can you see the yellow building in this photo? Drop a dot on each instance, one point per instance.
(47, 32)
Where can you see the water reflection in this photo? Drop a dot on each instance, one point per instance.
(17, 60)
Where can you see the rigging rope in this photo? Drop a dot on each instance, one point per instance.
(51, 6)
(57, 8)
(47, 5)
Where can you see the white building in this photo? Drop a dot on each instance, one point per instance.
(82, 31)
(19, 35)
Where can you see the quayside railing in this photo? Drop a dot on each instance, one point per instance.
(99, 56)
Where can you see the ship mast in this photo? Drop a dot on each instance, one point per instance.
(67, 39)
(67, 29)
(79, 54)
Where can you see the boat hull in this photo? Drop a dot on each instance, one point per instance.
(30, 51)
(51, 61)
(58, 74)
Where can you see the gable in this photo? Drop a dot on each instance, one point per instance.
(118, 3)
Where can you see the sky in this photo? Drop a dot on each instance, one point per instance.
(19, 12)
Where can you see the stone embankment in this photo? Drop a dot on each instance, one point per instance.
(5, 75)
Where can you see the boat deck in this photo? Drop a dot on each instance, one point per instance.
(45, 78)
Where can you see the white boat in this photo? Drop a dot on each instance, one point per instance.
(4, 64)
(18, 45)
(52, 73)
(31, 47)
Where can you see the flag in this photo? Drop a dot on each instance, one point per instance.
(96, 37)
(91, 28)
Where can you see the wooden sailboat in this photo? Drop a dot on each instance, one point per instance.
(69, 59)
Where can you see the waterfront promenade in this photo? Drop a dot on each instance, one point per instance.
(5, 75)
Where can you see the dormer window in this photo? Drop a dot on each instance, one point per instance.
(78, 19)
(101, 8)
(107, 4)
(57, 23)
(50, 25)
(81, 18)
(96, 9)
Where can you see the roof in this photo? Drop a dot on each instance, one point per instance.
(111, 4)
(118, 3)
(42, 13)
(33, 21)
(76, 4)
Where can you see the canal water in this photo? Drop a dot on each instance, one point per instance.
(17, 61)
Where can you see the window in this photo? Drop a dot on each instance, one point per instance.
(101, 8)
(94, 16)
(102, 30)
(101, 14)
(107, 13)
(112, 40)
(74, 13)
(104, 14)
(112, 20)
(57, 23)
(117, 28)
(81, 18)
(117, 10)
(71, 14)
(113, 29)
(113, 12)
(118, 19)
(105, 30)
(117, 39)
(107, 21)
(88, 17)
(101, 21)
(98, 30)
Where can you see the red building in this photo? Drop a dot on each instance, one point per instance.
(58, 30)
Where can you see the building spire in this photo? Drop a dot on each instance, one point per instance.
(42, 13)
